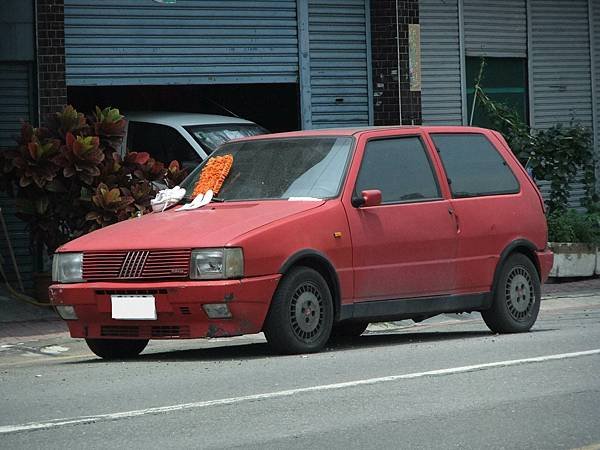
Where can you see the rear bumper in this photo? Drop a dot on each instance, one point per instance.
(545, 258)
(178, 306)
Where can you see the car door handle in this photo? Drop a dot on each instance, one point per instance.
(455, 217)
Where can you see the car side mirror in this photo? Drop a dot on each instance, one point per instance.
(370, 197)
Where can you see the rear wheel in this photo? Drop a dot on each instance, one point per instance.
(516, 298)
(301, 313)
(117, 348)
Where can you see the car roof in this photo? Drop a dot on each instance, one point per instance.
(355, 131)
(181, 118)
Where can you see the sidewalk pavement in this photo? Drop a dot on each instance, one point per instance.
(23, 321)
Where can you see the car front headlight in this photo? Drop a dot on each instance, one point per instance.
(67, 268)
(216, 263)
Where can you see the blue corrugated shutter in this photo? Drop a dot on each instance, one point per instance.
(15, 102)
(339, 65)
(496, 28)
(441, 97)
(561, 68)
(125, 42)
(15, 107)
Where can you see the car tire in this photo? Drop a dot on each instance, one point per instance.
(517, 297)
(348, 329)
(301, 313)
(117, 348)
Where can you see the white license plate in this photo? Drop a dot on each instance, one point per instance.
(133, 307)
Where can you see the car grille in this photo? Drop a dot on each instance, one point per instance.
(146, 332)
(136, 265)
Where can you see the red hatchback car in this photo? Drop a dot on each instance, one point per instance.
(315, 234)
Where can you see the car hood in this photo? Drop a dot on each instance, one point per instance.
(214, 225)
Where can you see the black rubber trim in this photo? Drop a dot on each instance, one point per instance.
(315, 254)
(407, 308)
(507, 251)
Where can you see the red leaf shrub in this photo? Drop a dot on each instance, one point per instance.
(70, 179)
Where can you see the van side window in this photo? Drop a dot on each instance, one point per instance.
(474, 166)
(400, 169)
(162, 142)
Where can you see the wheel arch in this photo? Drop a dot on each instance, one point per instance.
(319, 262)
(522, 246)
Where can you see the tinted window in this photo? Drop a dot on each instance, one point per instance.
(399, 168)
(162, 142)
(474, 166)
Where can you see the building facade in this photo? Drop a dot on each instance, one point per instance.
(297, 64)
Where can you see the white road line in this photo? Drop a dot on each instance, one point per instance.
(287, 393)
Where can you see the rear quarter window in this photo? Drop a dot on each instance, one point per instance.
(473, 165)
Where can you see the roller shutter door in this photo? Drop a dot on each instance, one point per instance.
(339, 66)
(595, 10)
(441, 98)
(15, 106)
(561, 68)
(132, 42)
(496, 28)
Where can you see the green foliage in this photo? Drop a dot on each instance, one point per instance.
(558, 154)
(555, 155)
(69, 178)
(571, 226)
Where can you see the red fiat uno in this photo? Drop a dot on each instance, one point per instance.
(315, 234)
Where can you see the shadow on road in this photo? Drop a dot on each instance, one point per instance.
(229, 352)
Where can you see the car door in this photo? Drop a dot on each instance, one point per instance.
(485, 196)
(405, 247)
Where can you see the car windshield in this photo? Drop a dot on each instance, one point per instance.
(310, 167)
(210, 137)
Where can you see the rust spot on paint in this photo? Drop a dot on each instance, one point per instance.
(214, 331)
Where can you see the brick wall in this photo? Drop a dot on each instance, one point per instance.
(51, 57)
(385, 62)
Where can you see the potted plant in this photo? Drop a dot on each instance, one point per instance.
(68, 177)
(574, 239)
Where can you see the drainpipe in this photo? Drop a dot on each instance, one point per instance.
(398, 65)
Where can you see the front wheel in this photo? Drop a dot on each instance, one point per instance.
(301, 313)
(117, 348)
(517, 297)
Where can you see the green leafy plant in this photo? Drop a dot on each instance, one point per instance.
(69, 178)
(559, 153)
(571, 226)
(556, 154)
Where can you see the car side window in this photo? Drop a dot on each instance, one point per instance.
(400, 169)
(473, 165)
(162, 142)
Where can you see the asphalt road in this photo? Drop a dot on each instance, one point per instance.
(445, 383)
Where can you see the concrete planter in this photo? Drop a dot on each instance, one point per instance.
(597, 260)
(573, 259)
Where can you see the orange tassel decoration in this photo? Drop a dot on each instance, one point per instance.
(213, 175)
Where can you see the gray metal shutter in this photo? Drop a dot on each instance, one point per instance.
(496, 28)
(561, 68)
(15, 106)
(15, 102)
(441, 97)
(595, 29)
(339, 66)
(123, 42)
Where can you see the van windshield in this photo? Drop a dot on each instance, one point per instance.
(211, 136)
(287, 168)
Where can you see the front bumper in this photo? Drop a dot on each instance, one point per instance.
(178, 306)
